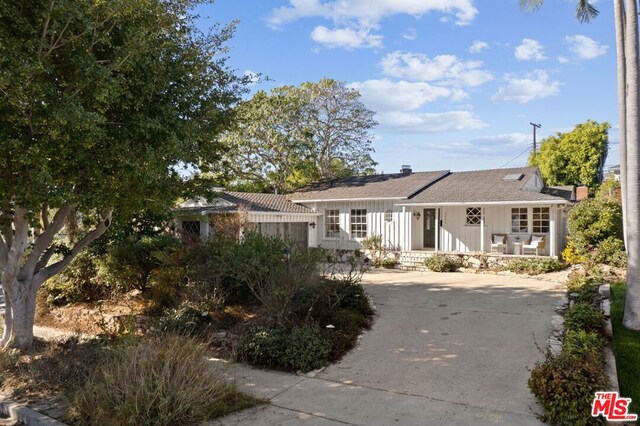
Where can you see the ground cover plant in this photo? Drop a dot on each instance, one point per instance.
(533, 266)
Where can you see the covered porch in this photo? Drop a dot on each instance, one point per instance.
(499, 228)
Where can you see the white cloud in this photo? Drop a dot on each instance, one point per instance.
(563, 59)
(430, 122)
(494, 146)
(386, 95)
(370, 12)
(254, 77)
(585, 47)
(530, 50)
(410, 34)
(535, 85)
(446, 69)
(478, 46)
(347, 38)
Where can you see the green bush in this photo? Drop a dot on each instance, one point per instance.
(161, 381)
(565, 384)
(306, 349)
(534, 266)
(581, 342)
(185, 320)
(611, 251)
(80, 282)
(129, 263)
(594, 220)
(389, 263)
(585, 287)
(442, 263)
(302, 348)
(584, 316)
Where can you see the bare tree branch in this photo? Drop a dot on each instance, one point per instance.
(51, 270)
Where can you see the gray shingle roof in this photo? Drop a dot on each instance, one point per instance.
(231, 201)
(395, 185)
(483, 186)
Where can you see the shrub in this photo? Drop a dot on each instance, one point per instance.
(585, 287)
(594, 220)
(581, 342)
(388, 263)
(160, 381)
(306, 349)
(442, 263)
(611, 251)
(565, 384)
(263, 345)
(303, 348)
(373, 242)
(584, 316)
(185, 320)
(571, 254)
(534, 266)
(79, 282)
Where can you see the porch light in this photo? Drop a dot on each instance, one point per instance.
(312, 225)
(417, 215)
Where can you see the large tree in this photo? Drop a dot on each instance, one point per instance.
(627, 50)
(102, 104)
(576, 157)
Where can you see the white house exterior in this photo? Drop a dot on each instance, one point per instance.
(439, 211)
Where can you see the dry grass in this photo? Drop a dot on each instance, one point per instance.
(160, 381)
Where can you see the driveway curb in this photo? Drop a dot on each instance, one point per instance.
(26, 415)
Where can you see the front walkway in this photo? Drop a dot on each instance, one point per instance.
(445, 349)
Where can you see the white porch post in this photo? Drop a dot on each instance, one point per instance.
(437, 229)
(482, 229)
(553, 233)
(403, 230)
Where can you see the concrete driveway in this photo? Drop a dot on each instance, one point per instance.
(446, 349)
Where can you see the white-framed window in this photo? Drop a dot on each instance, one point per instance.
(474, 216)
(358, 222)
(519, 220)
(388, 216)
(332, 223)
(540, 220)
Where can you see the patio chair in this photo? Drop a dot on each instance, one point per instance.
(499, 243)
(536, 243)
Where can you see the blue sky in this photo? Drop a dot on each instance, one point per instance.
(454, 83)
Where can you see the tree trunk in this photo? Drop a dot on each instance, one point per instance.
(632, 304)
(21, 310)
(620, 26)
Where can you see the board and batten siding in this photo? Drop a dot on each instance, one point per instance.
(395, 234)
(457, 236)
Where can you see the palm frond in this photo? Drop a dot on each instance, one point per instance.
(530, 5)
(585, 11)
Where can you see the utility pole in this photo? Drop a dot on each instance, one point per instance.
(535, 126)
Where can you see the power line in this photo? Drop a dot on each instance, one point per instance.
(514, 158)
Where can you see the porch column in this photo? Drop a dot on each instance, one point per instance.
(553, 233)
(437, 229)
(482, 229)
(403, 230)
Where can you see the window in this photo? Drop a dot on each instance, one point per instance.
(519, 220)
(358, 223)
(541, 220)
(190, 228)
(332, 223)
(474, 216)
(388, 216)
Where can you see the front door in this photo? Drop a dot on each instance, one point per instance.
(429, 239)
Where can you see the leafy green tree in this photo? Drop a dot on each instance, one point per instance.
(576, 157)
(625, 13)
(102, 104)
(340, 126)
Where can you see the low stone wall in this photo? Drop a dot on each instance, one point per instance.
(475, 260)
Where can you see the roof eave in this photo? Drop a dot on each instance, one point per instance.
(484, 203)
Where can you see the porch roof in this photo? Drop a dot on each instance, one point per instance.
(497, 186)
(231, 202)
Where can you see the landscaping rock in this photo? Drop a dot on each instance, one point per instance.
(605, 290)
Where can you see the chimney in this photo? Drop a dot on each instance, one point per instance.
(582, 193)
(405, 169)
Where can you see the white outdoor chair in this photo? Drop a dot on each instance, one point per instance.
(498, 243)
(536, 244)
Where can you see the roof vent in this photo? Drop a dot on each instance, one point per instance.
(513, 177)
(405, 169)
